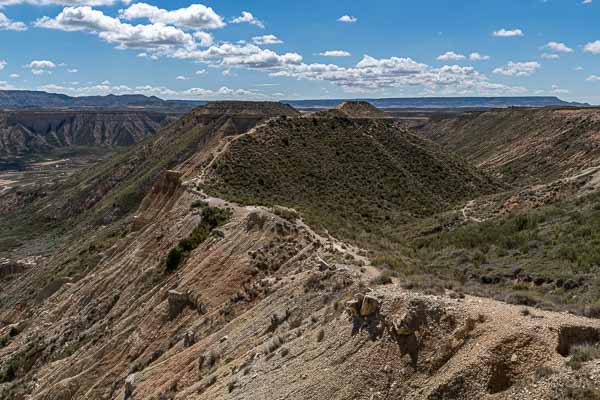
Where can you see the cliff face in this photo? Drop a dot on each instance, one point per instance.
(25, 132)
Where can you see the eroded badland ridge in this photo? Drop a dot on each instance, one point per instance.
(250, 252)
(26, 132)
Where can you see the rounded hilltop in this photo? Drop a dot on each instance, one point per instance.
(264, 108)
(361, 109)
(366, 170)
(352, 109)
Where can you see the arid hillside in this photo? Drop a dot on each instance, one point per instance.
(524, 146)
(162, 275)
(354, 177)
(264, 308)
(27, 132)
(116, 187)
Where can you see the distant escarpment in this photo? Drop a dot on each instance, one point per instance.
(31, 99)
(523, 146)
(445, 102)
(337, 170)
(25, 132)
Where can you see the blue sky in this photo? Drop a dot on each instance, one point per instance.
(302, 49)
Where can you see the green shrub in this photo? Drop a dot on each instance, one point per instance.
(580, 393)
(382, 279)
(174, 258)
(212, 218)
(583, 353)
(320, 335)
(286, 213)
(9, 374)
(521, 299)
(391, 263)
(199, 204)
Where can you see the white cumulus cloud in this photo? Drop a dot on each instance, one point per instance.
(451, 56)
(7, 24)
(266, 39)
(112, 30)
(347, 19)
(550, 56)
(41, 64)
(508, 33)
(228, 55)
(335, 53)
(223, 92)
(396, 72)
(205, 38)
(196, 16)
(478, 57)
(248, 18)
(518, 68)
(558, 47)
(592, 47)
(148, 56)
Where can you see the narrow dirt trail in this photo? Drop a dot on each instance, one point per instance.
(468, 208)
(227, 142)
(192, 186)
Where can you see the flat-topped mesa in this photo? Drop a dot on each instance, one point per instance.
(361, 109)
(262, 108)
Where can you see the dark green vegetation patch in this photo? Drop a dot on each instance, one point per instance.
(212, 218)
(359, 179)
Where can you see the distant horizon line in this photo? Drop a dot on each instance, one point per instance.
(324, 100)
(298, 99)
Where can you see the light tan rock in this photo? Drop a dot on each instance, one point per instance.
(130, 384)
(370, 306)
(353, 307)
